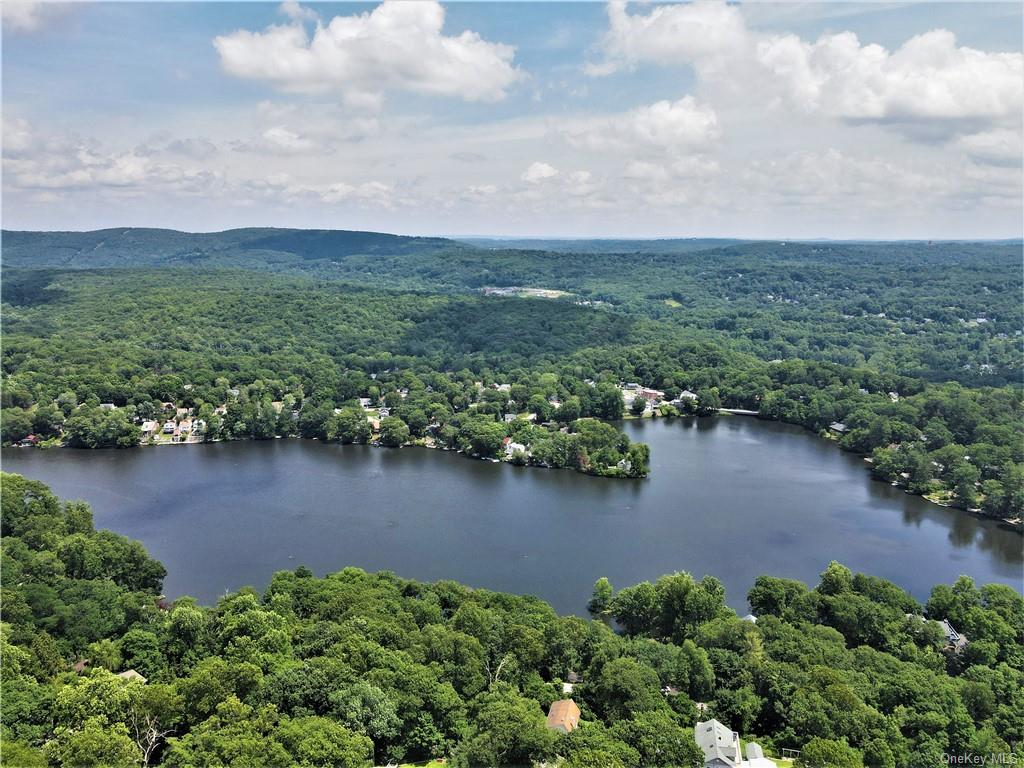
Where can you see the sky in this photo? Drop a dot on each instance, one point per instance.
(573, 119)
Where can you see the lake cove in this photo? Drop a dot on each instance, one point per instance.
(729, 496)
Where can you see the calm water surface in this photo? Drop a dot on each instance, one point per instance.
(734, 497)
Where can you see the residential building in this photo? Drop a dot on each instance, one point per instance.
(720, 744)
(563, 716)
(721, 747)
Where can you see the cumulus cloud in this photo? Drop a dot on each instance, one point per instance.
(668, 125)
(399, 46)
(929, 80)
(704, 33)
(538, 172)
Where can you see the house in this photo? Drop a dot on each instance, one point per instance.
(383, 412)
(563, 716)
(651, 395)
(365, 403)
(148, 428)
(168, 428)
(185, 426)
(107, 406)
(510, 417)
(956, 642)
(502, 387)
(720, 745)
(233, 392)
(837, 426)
(687, 395)
(750, 618)
(511, 448)
(29, 441)
(131, 674)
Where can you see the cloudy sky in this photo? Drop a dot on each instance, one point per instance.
(557, 119)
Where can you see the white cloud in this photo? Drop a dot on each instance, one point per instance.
(296, 12)
(398, 46)
(999, 147)
(927, 78)
(706, 33)
(538, 172)
(24, 16)
(280, 140)
(670, 125)
(929, 87)
(17, 136)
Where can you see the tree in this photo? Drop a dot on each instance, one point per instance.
(15, 424)
(349, 426)
(393, 432)
(624, 689)
(660, 740)
(317, 742)
(236, 735)
(638, 406)
(601, 600)
(606, 402)
(829, 753)
(508, 730)
(636, 608)
(94, 743)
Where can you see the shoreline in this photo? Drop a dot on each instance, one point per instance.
(1006, 524)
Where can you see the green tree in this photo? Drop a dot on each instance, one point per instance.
(601, 600)
(393, 432)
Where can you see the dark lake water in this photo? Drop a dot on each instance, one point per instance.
(731, 496)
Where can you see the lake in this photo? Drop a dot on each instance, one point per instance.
(730, 496)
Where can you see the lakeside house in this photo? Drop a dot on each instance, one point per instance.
(564, 716)
(28, 441)
(148, 428)
(511, 448)
(955, 641)
(837, 426)
(168, 428)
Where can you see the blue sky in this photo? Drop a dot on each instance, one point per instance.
(551, 119)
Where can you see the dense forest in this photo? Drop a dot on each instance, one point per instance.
(907, 353)
(357, 669)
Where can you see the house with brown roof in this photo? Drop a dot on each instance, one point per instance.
(563, 716)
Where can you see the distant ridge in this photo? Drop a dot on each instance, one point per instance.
(148, 247)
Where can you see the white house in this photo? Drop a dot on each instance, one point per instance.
(721, 748)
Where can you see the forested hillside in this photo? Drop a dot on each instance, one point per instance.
(357, 669)
(941, 312)
(229, 345)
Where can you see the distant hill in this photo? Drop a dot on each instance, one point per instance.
(665, 246)
(254, 248)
